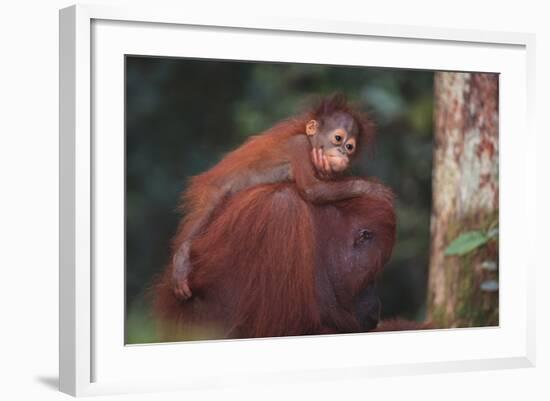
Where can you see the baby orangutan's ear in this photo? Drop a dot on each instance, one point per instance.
(312, 127)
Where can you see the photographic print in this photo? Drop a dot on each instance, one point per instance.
(284, 199)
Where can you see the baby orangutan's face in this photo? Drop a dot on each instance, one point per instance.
(336, 136)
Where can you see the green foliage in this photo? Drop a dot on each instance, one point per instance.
(466, 243)
(476, 302)
(489, 285)
(140, 328)
(492, 233)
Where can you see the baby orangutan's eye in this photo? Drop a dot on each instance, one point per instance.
(338, 138)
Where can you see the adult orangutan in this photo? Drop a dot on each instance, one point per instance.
(272, 264)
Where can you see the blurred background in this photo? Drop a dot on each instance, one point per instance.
(182, 115)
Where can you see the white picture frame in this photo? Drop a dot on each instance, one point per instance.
(93, 357)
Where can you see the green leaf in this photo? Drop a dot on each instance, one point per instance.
(493, 232)
(489, 265)
(489, 286)
(466, 242)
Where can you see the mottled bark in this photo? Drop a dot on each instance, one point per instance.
(465, 198)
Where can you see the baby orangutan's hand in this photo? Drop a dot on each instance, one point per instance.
(321, 163)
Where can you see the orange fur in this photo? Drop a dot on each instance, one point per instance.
(257, 268)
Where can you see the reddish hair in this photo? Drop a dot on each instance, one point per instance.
(255, 268)
(267, 147)
(252, 268)
(338, 103)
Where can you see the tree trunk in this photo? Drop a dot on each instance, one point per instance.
(463, 287)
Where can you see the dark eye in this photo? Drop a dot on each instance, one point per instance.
(364, 236)
(338, 138)
(349, 147)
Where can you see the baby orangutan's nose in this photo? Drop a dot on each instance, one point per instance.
(343, 151)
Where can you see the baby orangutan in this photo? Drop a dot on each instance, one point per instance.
(310, 150)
